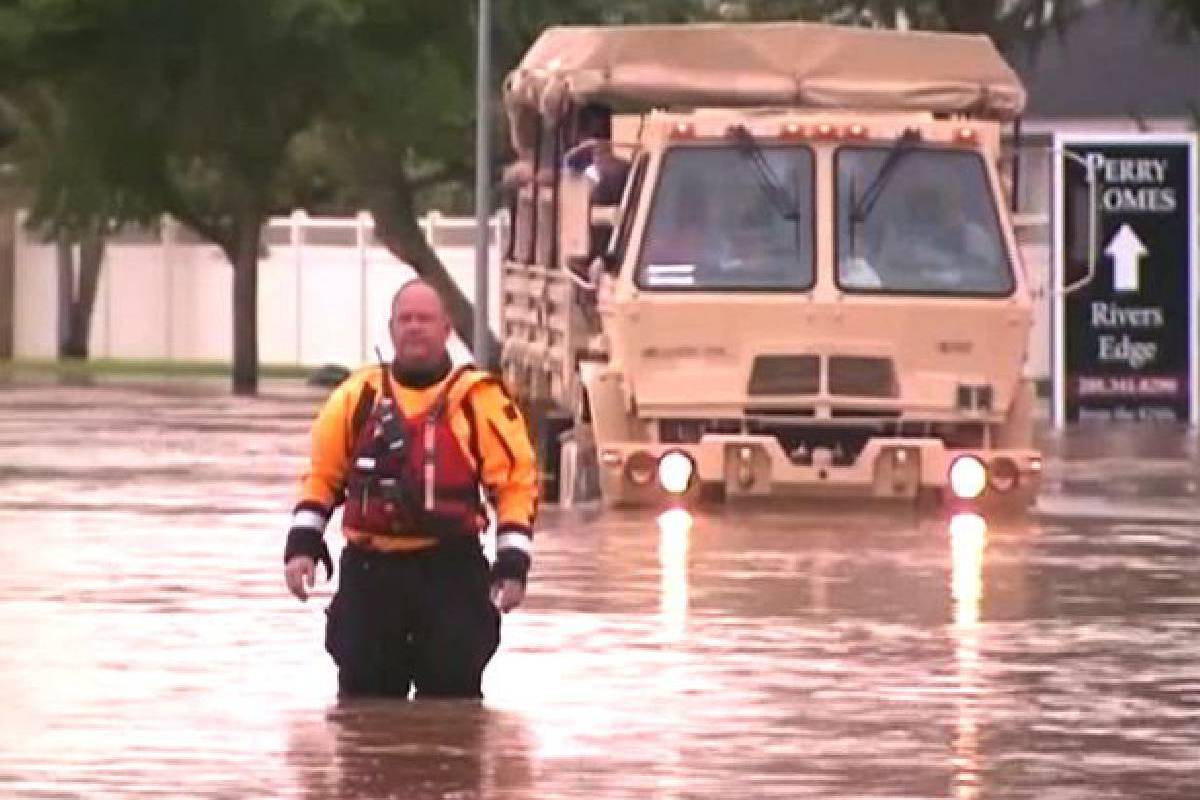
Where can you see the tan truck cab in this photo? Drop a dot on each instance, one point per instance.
(805, 281)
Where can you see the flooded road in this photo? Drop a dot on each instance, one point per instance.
(148, 647)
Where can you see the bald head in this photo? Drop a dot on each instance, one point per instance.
(419, 326)
(420, 292)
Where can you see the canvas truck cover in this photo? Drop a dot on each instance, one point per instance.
(791, 64)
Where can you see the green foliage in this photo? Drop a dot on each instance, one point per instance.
(132, 108)
(1007, 22)
(1182, 18)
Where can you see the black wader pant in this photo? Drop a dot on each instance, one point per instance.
(403, 619)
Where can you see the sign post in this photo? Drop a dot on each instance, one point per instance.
(1125, 248)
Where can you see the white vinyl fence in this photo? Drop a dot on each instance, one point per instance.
(324, 286)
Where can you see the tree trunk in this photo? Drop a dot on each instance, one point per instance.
(396, 226)
(244, 257)
(64, 252)
(8, 244)
(83, 301)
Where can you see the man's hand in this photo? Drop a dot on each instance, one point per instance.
(300, 573)
(507, 594)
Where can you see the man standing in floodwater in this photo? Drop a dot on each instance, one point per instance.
(411, 447)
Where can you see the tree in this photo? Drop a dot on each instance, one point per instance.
(401, 124)
(212, 111)
(392, 148)
(1182, 17)
(69, 201)
(1007, 22)
(191, 108)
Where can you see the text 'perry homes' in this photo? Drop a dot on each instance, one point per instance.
(1133, 184)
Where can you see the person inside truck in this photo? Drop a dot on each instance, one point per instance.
(681, 233)
(932, 242)
(713, 224)
(753, 246)
(593, 155)
(594, 158)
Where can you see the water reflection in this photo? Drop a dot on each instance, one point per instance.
(375, 748)
(674, 538)
(968, 539)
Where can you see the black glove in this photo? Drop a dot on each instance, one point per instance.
(511, 562)
(308, 542)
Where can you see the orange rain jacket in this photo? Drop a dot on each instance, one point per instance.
(489, 430)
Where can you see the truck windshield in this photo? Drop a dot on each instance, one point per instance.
(713, 225)
(931, 229)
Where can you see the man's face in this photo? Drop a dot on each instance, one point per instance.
(419, 327)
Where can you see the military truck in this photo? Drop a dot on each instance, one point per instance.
(807, 282)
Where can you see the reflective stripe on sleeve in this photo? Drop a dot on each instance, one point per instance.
(307, 518)
(515, 541)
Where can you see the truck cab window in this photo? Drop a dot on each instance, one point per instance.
(633, 195)
(930, 228)
(716, 223)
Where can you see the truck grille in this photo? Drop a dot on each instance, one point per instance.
(785, 375)
(862, 376)
(691, 431)
(798, 441)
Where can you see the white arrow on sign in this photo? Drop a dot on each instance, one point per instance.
(1126, 249)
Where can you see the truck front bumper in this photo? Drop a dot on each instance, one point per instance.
(756, 466)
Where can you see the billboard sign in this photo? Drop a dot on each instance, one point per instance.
(1125, 311)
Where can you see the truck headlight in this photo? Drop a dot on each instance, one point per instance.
(968, 477)
(675, 471)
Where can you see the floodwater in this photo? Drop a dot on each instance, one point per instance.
(148, 647)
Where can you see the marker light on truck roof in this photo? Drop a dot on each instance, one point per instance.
(967, 135)
(675, 470)
(856, 131)
(968, 477)
(683, 130)
(792, 131)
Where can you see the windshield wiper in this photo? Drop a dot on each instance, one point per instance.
(787, 206)
(862, 207)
